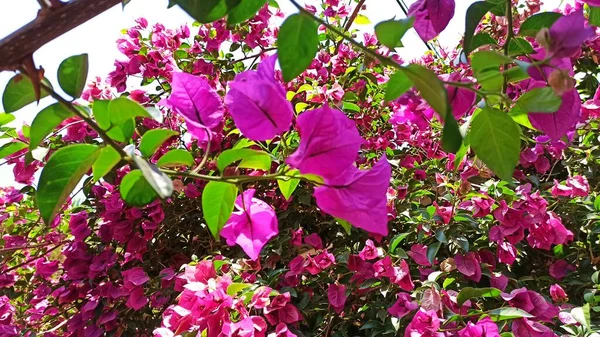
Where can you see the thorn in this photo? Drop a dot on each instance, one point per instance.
(35, 75)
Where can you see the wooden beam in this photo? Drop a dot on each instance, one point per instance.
(50, 24)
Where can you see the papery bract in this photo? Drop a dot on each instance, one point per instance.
(469, 266)
(431, 16)
(258, 104)
(252, 225)
(462, 100)
(567, 34)
(558, 293)
(336, 293)
(424, 323)
(523, 327)
(403, 306)
(358, 196)
(194, 99)
(559, 123)
(329, 143)
(483, 328)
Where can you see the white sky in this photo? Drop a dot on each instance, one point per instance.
(97, 38)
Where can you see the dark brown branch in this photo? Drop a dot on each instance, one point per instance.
(50, 24)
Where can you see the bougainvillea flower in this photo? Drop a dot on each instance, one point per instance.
(484, 328)
(462, 100)
(258, 104)
(431, 17)
(523, 327)
(562, 121)
(137, 300)
(336, 294)
(468, 265)
(558, 294)
(567, 34)
(358, 196)
(403, 306)
(252, 225)
(591, 108)
(531, 302)
(560, 269)
(400, 275)
(369, 252)
(424, 323)
(419, 253)
(329, 143)
(193, 98)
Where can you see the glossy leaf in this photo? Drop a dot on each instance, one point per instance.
(502, 314)
(297, 44)
(160, 182)
(390, 32)
(519, 46)
(468, 293)
(475, 13)
(11, 148)
(62, 173)
(72, 74)
(432, 251)
(244, 11)
(594, 18)
(451, 137)
(287, 187)
(218, 199)
(534, 23)
(153, 139)
(47, 121)
(122, 109)
(135, 189)
(106, 161)
(177, 157)
(430, 87)
(235, 288)
(396, 241)
(207, 11)
(252, 159)
(345, 225)
(539, 100)
(495, 138)
(398, 84)
(482, 39)
(19, 93)
(6, 118)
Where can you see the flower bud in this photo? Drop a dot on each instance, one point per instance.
(561, 82)
(543, 38)
(558, 294)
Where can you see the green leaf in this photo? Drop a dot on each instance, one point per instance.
(297, 44)
(362, 20)
(475, 13)
(468, 293)
(6, 118)
(519, 46)
(274, 4)
(482, 39)
(287, 187)
(430, 87)
(160, 182)
(207, 11)
(218, 199)
(252, 159)
(100, 111)
(120, 133)
(594, 17)
(398, 84)
(174, 158)
(487, 59)
(107, 159)
(432, 251)
(495, 138)
(62, 173)
(153, 139)
(11, 148)
(396, 241)
(502, 314)
(451, 137)
(582, 315)
(348, 106)
(345, 225)
(244, 11)
(390, 32)
(539, 100)
(135, 189)
(534, 23)
(122, 109)
(19, 93)
(72, 74)
(47, 121)
(235, 288)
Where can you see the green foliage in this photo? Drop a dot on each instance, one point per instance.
(19, 93)
(136, 190)
(160, 182)
(287, 187)
(495, 138)
(62, 173)
(107, 160)
(532, 25)
(6, 118)
(539, 100)
(174, 158)
(390, 32)
(11, 148)
(153, 139)
(398, 84)
(72, 74)
(218, 199)
(475, 13)
(244, 11)
(207, 11)
(47, 121)
(594, 16)
(468, 293)
(297, 44)
(252, 159)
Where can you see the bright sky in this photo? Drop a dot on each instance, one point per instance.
(97, 38)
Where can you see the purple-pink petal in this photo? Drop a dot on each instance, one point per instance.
(329, 143)
(431, 17)
(358, 196)
(258, 105)
(557, 124)
(252, 226)
(568, 33)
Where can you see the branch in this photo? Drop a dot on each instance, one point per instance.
(50, 24)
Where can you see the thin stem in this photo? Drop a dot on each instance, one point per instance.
(509, 35)
(253, 56)
(236, 180)
(206, 153)
(350, 21)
